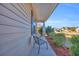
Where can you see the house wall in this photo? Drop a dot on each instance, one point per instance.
(15, 29)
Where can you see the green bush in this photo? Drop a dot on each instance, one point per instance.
(40, 30)
(52, 34)
(75, 45)
(59, 39)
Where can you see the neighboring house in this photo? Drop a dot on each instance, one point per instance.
(16, 26)
(57, 29)
(77, 30)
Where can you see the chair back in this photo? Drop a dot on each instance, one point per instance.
(36, 39)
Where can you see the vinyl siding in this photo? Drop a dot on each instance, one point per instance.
(15, 29)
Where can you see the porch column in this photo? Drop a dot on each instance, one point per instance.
(43, 29)
(36, 28)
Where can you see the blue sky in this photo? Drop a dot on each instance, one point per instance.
(64, 15)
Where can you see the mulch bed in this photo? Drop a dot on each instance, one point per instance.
(60, 51)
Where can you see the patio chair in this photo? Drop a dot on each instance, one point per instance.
(39, 42)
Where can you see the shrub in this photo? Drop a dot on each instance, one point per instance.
(75, 45)
(52, 34)
(59, 39)
(40, 30)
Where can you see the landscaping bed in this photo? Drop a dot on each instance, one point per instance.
(60, 51)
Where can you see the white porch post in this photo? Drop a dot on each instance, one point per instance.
(43, 29)
(36, 28)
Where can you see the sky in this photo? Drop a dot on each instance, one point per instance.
(65, 15)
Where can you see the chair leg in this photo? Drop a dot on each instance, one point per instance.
(39, 49)
(33, 45)
(46, 45)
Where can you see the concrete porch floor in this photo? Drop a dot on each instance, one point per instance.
(43, 50)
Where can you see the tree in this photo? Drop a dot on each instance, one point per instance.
(73, 29)
(64, 28)
(49, 29)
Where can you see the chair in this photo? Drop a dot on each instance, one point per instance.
(39, 42)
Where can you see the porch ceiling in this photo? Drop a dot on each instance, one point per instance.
(42, 11)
